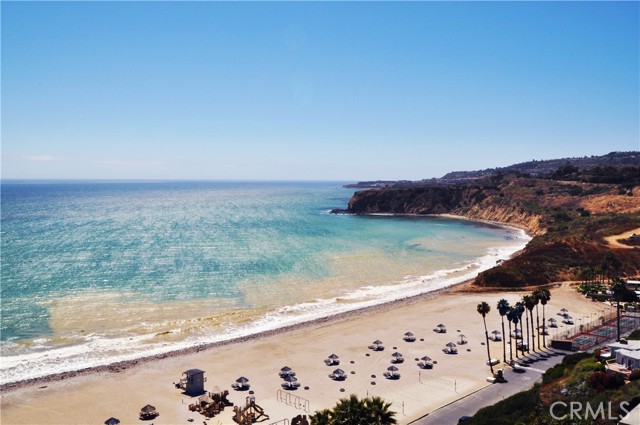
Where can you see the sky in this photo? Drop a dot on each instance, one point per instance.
(312, 90)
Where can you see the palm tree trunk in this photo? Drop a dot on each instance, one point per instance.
(538, 325)
(486, 334)
(510, 344)
(527, 327)
(544, 323)
(533, 332)
(504, 343)
(618, 318)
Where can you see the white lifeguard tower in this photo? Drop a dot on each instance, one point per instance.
(193, 382)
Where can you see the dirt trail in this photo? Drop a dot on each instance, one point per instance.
(613, 240)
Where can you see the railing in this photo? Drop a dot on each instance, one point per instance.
(294, 401)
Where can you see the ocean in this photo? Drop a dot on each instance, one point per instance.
(98, 272)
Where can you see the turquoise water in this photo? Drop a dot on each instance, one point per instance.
(148, 267)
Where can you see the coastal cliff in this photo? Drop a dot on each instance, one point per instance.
(569, 219)
(476, 202)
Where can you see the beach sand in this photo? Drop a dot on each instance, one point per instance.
(91, 398)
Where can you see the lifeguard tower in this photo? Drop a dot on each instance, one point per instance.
(193, 382)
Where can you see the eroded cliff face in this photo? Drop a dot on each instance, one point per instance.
(512, 215)
(475, 202)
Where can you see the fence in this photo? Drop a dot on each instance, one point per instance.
(596, 331)
(294, 401)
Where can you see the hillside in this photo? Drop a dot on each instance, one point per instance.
(569, 219)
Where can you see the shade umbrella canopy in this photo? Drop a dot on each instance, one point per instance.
(426, 358)
(377, 342)
(396, 355)
(290, 378)
(563, 310)
(112, 421)
(148, 409)
(392, 369)
(285, 369)
(552, 320)
(451, 345)
(338, 372)
(441, 326)
(334, 357)
(242, 380)
(408, 334)
(496, 332)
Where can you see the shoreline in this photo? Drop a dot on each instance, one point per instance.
(119, 366)
(303, 347)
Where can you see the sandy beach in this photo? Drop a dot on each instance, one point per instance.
(91, 398)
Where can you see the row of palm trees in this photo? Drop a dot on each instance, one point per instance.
(525, 306)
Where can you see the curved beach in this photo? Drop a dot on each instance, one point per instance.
(121, 390)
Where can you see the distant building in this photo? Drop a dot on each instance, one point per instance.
(630, 359)
(634, 285)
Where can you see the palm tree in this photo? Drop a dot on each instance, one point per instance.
(544, 296)
(518, 312)
(536, 299)
(503, 309)
(350, 411)
(321, 417)
(529, 303)
(525, 301)
(484, 309)
(379, 411)
(510, 318)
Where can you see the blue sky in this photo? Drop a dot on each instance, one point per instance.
(302, 91)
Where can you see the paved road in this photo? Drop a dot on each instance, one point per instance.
(469, 405)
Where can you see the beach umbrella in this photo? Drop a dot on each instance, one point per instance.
(392, 369)
(112, 421)
(377, 342)
(441, 326)
(564, 310)
(334, 357)
(290, 378)
(285, 369)
(496, 332)
(242, 380)
(396, 355)
(148, 409)
(408, 334)
(338, 372)
(552, 320)
(426, 358)
(451, 345)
